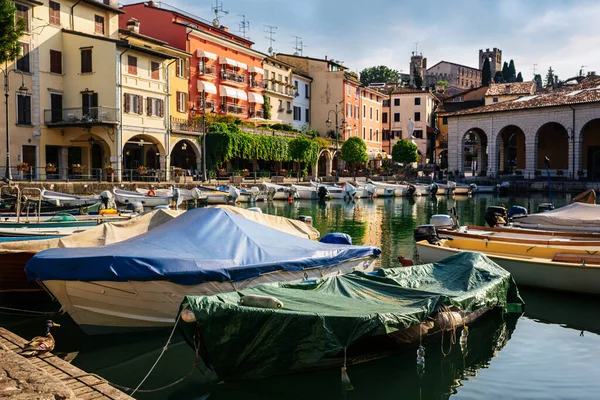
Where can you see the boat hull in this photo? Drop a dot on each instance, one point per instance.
(109, 307)
(124, 198)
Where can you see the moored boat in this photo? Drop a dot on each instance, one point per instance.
(147, 200)
(274, 329)
(576, 217)
(69, 200)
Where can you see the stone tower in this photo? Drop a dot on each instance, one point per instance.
(495, 57)
(418, 63)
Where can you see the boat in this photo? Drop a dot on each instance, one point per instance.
(572, 268)
(385, 189)
(366, 191)
(58, 225)
(184, 194)
(304, 192)
(346, 192)
(482, 189)
(139, 283)
(213, 196)
(126, 197)
(339, 321)
(275, 191)
(69, 200)
(575, 217)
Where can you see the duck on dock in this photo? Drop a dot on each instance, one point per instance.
(40, 344)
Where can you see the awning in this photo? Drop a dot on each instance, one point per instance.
(228, 92)
(207, 87)
(206, 54)
(231, 62)
(375, 155)
(241, 94)
(241, 65)
(256, 70)
(255, 98)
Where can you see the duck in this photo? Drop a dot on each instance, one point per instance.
(40, 344)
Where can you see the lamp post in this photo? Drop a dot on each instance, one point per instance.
(337, 134)
(6, 72)
(571, 135)
(193, 110)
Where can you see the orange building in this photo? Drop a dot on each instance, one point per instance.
(224, 70)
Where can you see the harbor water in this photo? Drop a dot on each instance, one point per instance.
(549, 352)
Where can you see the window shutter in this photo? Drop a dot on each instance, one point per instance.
(161, 108)
(178, 67)
(178, 101)
(187, 68)
(140, 105)
(127, 102)
(149, 106)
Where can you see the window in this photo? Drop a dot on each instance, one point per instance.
(280, 108)
(495, 99)
(55, 62)
(370, 133)
(307, 115)
(99, 24)
(132, 65)
(349, 90)
(181, 101)
(306, 93)
(396, 102)
(154, 70)
(155, 107)
(417, 101)
(349, 110)
(370, 96)
(89, 105)
(23, 110)
(371, 113)
(384, 118)
(356, 132)
(377, 135)
(364, 132)
(396, 117)
(356, 94)
(444, 120)
(418, 133)
(364, 111)
(417, 116)
(288, 106)
(54, 13)
(297, 114)
(133, 103)
(386, 103)
(23, 13)
(377, 115)
(179, 65)
(356, 108)
(23, 61)
(86, 61)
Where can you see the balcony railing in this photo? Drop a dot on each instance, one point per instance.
(186, 125)
(256, 83)
(256, 113)
(233, 77)
(80, 116)
(232, 108)
(207, 70)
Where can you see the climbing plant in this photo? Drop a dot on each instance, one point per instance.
(267, 107)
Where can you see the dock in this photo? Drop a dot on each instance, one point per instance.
(47, 376)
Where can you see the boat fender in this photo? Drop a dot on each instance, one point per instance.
(188, 315)
(151, 193)
(255, 300)
(449, 320)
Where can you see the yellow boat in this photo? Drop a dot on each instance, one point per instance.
(568, 267)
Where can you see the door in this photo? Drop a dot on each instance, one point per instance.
(97, 160)
(89, 106)
(29, 156)
(56, 107)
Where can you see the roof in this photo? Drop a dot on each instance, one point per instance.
(587, 92)
(522, 88)
(461, 94)
(128, 33)
(459, 65)
(314, 59)
(103, 6)
(302, 74)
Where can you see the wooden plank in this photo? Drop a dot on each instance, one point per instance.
(83, 390)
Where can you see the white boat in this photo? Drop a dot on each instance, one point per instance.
(275, 191)
(366, 191)
(576, 217)
(476, 189)
(304, 192)
(69, 200)
(140, 283)
(185, 194)
(347, 192)
(385, 189)
(126, 197)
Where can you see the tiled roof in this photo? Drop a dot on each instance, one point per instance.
(498, 89)
(407, 90)
(586, 92)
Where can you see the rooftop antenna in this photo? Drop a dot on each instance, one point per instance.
(218, 8)
(415, 52)
(244, 26)
(271, 31)
(297, 45)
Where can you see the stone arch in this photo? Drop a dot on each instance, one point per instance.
(96, 149)
(511, 147)
(552, 141)
(474, 152)
(186, 154)
(325, 163)
(334, 161)
(143, 150)
(590, 149)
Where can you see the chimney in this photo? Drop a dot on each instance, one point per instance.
(223, 27)
(152, 4)
(325, 58)
(133, 25)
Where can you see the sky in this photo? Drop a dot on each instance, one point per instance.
(562, 34)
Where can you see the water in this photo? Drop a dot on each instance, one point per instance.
(551, 352)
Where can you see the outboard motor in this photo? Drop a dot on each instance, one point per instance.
(545, 207)
(349, 192)
(135, 206)
(307, 219)
(426, 232)
(233, 194)
(271, 192)
(433, 189)
(107, 201)
(322, 193)
(450, 188)
(411, 190)
(254, 192)
(337, 238)
(177, 197)
(371, 190)
(496, 215)
(517, 212)
(442, 221)
(472, 189)
(292, 192)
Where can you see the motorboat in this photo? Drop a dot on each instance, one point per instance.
(125, 197)
(69, 200)
(184, 194)
(346, 192)
(575, 217)
(304, 192)
(58, 225)
(275, 191)
(140, 282)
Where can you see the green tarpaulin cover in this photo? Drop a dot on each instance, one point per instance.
(321, 318)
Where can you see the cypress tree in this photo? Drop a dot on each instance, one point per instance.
(519, 78)
(498, 78)
(512, 73)
(505, 73)
(486, 73)
(550, 77)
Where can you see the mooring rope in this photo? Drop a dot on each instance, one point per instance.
(28, 312)
(443, 326)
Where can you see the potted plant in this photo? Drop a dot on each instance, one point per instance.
(282, 172)
(244, 172)
(222, 172)
(109, 169)
(77, 168)
(142, 170)
(23, 166)
(178, 171)
(50, 167)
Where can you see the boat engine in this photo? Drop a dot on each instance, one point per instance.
(433, 189)
(450, 188)
(292, 193)
(107, 200)
(443, 221)
(472, 189)
(135, 206)
(254, 193)
(517, 212)
(307, 219)
(496, 215)
(322, 193)
(233, 194)
(411, 190)
(271, 192)
(545, 207)
(349, 192)
(371, 190)
(426, 232)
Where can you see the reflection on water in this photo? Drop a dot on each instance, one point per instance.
(546, 356)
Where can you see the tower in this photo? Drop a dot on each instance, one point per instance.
(495, 57)
(417, 63)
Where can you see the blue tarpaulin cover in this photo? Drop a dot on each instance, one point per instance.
(202, 245)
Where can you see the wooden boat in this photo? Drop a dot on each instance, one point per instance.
(339, 321)
(139, 283)
(573, 268)
(125, 197)
(69, 200)
(576, 217)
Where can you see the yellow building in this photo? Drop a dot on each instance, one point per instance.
(280, 89)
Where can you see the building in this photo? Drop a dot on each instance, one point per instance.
(371, 124)
(301, 102)
(499, 92)
(457, 75)
(495, 59)
(514, 137)
(418, 64)
(280, 89)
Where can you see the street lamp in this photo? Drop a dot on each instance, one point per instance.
(193, 110)
(6, 72)
(328, 123)
(571, 135)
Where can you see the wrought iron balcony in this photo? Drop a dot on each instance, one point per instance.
(207, 71)
(186, 125)
(233, 77)
(80, 116)
(256, 83)
(232, 108)
(256, 113)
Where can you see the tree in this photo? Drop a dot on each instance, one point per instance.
(354, 151)
(512, 73)
(9, 32)
(486, 73)
(498, 78)
(418, 78)
(303, 150)
(538, 81)
(505, 73)
(444, 84)
(550, 77)
(379, 74)
(405, 152)
(519, 78)
(267, 106)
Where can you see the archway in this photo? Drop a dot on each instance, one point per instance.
(511, 149)
(590, 150)
(324, 164)
(553, 142)
(475, 156)
(185, 155)
(142, 151)
(336, 163)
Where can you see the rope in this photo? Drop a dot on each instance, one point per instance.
(453, 324)
(28, 312)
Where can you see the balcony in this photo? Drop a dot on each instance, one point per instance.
(234, 78)
(207, 71)
(186, 125)
(256, 83)
(256, 113)
(232, 108)
(281, 88)
(80, 117)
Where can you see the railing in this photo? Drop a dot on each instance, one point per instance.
(256, 113)
(255, 83)
(186, 125)
(234, 108)
(207, 70)
(80, 116)
(233, 77)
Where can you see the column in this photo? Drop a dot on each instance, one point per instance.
(64, 163)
